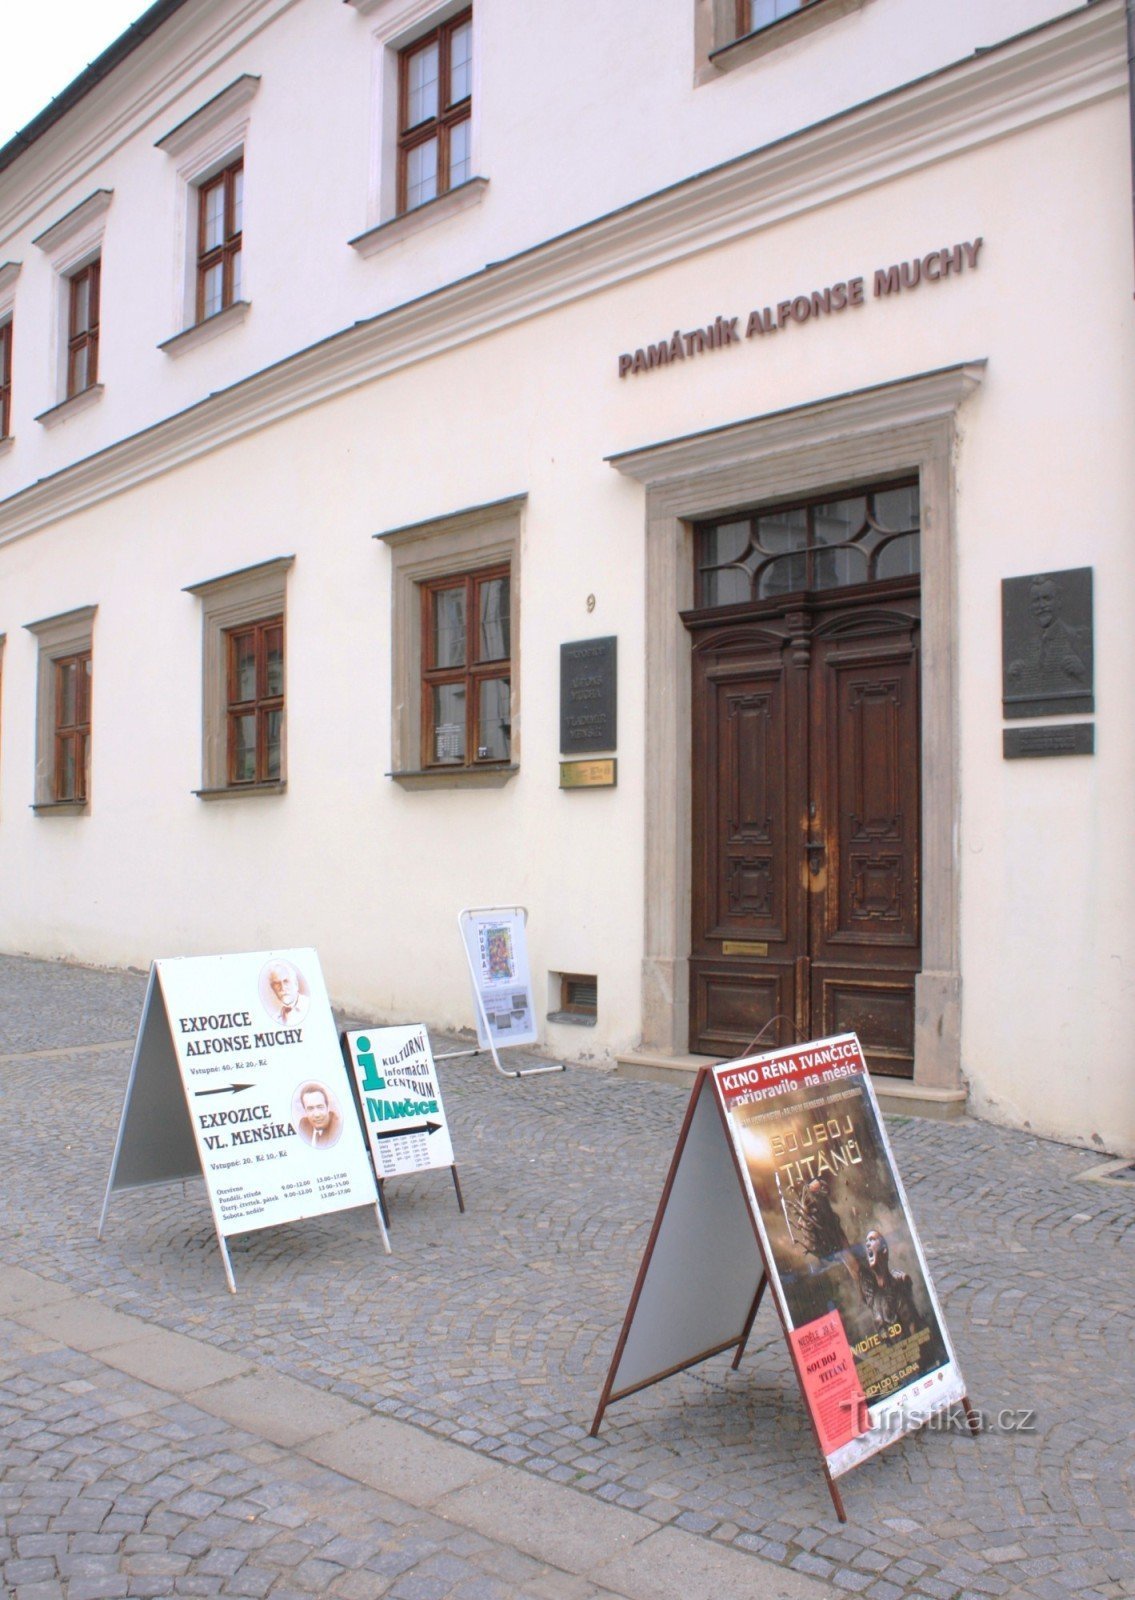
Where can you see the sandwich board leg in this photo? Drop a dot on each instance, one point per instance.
(227, 1262)
(834, 1492)
(748, 1328)
(457, 1186)
(971, 1417)
(382, 1225)
(380, 1186)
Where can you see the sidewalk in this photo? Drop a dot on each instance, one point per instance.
(359, 1425)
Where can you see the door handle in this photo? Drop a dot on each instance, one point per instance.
(815, 854)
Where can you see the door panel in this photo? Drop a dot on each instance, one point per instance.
(806, 828)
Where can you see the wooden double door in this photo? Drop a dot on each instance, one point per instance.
(806, 819)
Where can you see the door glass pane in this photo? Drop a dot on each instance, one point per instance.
(461, 63)
(273, 735)
(449, 723)
(493, 720)
(213, 223)
(421, 85)
(421, 174)
(845, 537)
(781, 539)
(274, 661)
(493, 637)
(724, 584)
(244, 667)
(214, 291)
(899, 558)
(449, 627)
(243, 768)
(460, 167)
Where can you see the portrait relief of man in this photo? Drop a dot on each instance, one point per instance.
(1047, 643)
(319, 1120)
(284, 992)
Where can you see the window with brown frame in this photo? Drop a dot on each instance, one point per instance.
(220, 221)
(755, 14)
(83, 328)
(435, 87)
(72, 726)
(255, 708)
(466, 670)
(6, 379)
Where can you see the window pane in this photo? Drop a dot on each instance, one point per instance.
(273, 737)
(235, 258)
(460, 167)
(78, 379)
(243, 767)
(461, 63)
(81, 305)
(213, 221)
(493, 721)
(449, 723)
(66, 702)
(85, 690)
(493, 637)
(243, 685)
(66, 773)
(779, 536)
(762, 12)
(449, 627)
(421, 174)
(897, 509)
(900, 558)
(729, 585)
(214, 290)
(238, 200)
(274, 658)
(421, 85)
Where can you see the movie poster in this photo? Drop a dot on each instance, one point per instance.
(498, 965)
(845, 1260)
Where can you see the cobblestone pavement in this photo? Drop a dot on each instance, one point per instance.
(494, 1330)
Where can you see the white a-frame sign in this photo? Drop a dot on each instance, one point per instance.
(237, 1077)
(783, 1176)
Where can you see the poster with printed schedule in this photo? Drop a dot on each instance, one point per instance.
(400, 1099)
(497, 949)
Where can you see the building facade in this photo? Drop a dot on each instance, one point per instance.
(358, 356)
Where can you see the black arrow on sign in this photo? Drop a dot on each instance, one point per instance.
(230, 1088)
(421, 1127)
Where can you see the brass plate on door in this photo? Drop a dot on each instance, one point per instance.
(743, 947)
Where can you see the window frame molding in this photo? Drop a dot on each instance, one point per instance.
(452, 545)
(398, 30)
(720, 48)
(203, 145)
(9, 273)
(235, 599)
(67, 634)
(71, 245)
(906, 426)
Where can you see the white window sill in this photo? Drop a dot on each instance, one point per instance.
(6, 443)
(202, 332)
(784, 31)
(61, 808)
(241, 791)
(410, 222)
(455, 777)
(72, 407)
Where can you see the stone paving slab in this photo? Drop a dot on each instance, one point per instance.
(391, 1456)
(494, 1330)
(172, 1360)
(575, 1531)
(278, 1408)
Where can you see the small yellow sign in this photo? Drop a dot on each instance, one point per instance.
(743, 947)
(588, 774)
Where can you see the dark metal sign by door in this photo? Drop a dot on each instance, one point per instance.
(806, 809)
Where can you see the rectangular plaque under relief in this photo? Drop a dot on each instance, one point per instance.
(588, 709)
(1065, 739)
(588, 774)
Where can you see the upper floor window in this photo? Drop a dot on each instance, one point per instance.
(6, 379)
(466, 676)
(83, 328)
(435, 87)
(826, 544)
(754, 14)
(220, 206)
(72, 727)
(256, 702)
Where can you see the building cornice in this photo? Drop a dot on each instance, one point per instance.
(1068, 64)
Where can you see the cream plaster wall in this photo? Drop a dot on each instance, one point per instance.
(374, 875)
